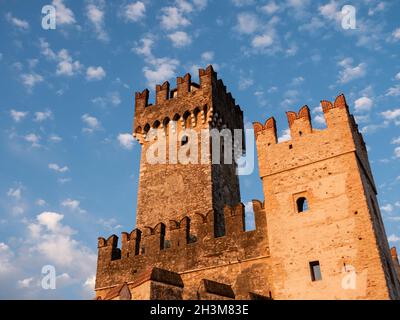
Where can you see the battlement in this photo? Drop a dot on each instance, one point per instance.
(300, 122)
(189, 104)
(340, 136)
(183, 245)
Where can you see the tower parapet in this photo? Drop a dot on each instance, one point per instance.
(322, 209)
(187, 244)
(200, 107)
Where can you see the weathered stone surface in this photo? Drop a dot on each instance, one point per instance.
(190, 241)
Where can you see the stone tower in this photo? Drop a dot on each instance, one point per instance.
(168, 191)
(319, 233)
(322, 212)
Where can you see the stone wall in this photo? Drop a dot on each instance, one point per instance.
(340, 228)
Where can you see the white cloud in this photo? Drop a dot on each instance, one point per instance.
(397, 76)
(126, 140)
(270, 8)
(396, 140)
(331, 11)
(25, 283)
(247, 23)
(19, 23)
(285, 135)
(18, 115)
(242, 3)
(73, 205)
(46, 50)
(173, 18)
(180, 39)
(57, 168)
(160, 70)
(33, 139)
(89, 284)
(363, 104)
(109, 224)
(387, 208)
(15, 193)
(262, 41)
(64, 15)
(51, 220)
(55, 244)
(40, 202)
(43, 115)
(6, 256)
(319, 119)
(66, 65)
(397, 152)
(396, 34)
(134, 11)
(391, 114)
(91, 122)
(145, 47)
(112, 98)
(393, 91)
(200, 4)
(245, 83)
(30, 80)
(393, 238)
(55, 138)
(95, 73)
(95, 13)
(350, 72)
(47, 240)
(379, 7)
(63, 180)
(207, 56)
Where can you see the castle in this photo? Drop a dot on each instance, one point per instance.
(319, 232)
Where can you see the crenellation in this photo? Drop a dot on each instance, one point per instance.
(299, 123)
(319, 222)
(183, 85)
(162, 93)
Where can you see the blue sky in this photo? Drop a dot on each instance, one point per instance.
(69, 167)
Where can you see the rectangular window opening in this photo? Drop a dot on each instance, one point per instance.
(315, 271)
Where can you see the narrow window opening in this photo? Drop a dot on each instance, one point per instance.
(302, 204)
(315, 271)
(300, 133)
(290, 146)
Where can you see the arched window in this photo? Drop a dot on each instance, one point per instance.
(302, 204)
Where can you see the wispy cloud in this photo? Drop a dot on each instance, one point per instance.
(95, 73)
(18, 116)
(349, 71)
(135, 11)
(64, 15)
(126, 140)
(16, 22)
(92, 123)
(95, 13)
(55, 167)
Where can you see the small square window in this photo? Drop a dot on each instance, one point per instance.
(315, 271)
(302, 204)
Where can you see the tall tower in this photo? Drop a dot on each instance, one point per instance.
(325, 230)
(172, 190)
